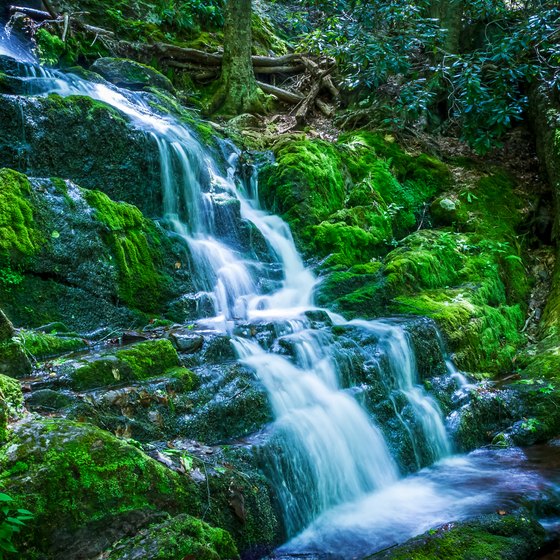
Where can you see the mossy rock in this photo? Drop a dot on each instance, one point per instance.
(139, 361)
(83, 140)
(43, 345)
(13, 359)
(355, 195)
(95, 256)
(176, 539)
(130, 74)
(10, 392)
(70, 475)
(508, 537)
(11, 400)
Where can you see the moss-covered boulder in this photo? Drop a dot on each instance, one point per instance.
(88, 490)
(48, 137)
(130, 74)
(351, 198)
(70, 475)
(509, 537)
(178, 538)
(81, 258)
(139, 361)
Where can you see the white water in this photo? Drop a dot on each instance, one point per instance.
(328, 450)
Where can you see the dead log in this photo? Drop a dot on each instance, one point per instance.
(279, 69)
(185, 54)
(94, 29)
(276, 60)
(325, 108)
(37, 15)
(305, 107)
(328, 84)
(282, 94)
(309, 101)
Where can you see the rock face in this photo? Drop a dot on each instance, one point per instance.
(130, 74)
(510, 537)
(46, 137)
(73, 255)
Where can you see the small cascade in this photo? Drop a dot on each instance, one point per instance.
(326, 450)
(402, 376)
(329, 452)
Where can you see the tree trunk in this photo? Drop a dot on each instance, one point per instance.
(238, 91)
(450, 15)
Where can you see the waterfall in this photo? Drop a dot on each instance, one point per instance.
(326, 449)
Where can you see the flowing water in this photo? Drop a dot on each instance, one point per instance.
(328, 458)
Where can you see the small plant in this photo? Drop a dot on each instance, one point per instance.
(11, 522)
(531, 425)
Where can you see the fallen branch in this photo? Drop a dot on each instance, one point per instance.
(296, 69)
(282, 94)
(185, 54)
(37, 15)
(325, 108)
(305, 107)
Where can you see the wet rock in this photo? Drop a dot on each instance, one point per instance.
(48, 400)
(319, 318)
(510, 537)
(72, 475)
(218, 349)
(428, 347)
(230, 403)
(190, 306)
(87, 256)
(130, 74)
(138, 361)
(176, 539)
(46, 137)
(186, 342)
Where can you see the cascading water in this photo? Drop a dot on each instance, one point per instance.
(325, 450)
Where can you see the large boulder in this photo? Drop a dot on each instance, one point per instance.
(88, 489)
(508, 537)
(47, 137)
(130, 74)
(73, 255)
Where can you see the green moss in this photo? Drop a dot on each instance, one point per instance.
(18, 232)
(349, 199)
(512, 537)
(179, 538)
(133, 241)
(150, 358)
(306, 183)
(87, 109)
(43, 345)
(188, 379)
(10, 392)
(139, 361)
(13, 360)
(483, 338)
(403, 181)
(71, 474)
(50, 48)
